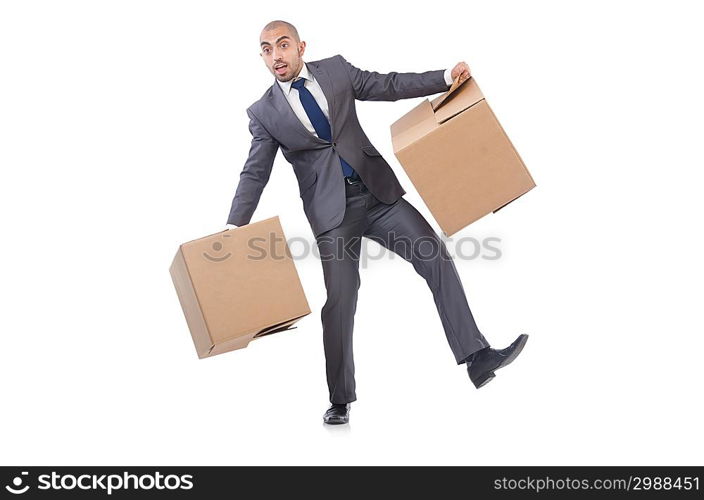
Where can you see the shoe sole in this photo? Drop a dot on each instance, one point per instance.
(335, 422)
(483, 380)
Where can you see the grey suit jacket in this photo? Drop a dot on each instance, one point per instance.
(315, 161)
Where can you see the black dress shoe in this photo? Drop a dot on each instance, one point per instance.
(337, 414)
(483, 363)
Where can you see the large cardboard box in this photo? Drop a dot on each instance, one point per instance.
(458, 157)
(238, 285)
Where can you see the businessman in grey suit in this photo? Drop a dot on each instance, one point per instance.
(349, 192)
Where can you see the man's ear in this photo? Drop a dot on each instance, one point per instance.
(301, 49)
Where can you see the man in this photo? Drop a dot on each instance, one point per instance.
(349, 191)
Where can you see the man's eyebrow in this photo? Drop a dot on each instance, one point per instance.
(277, 40)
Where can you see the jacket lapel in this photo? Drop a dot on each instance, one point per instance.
(325, 82)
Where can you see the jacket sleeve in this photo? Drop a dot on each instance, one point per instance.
(255, 173)
(374, 86)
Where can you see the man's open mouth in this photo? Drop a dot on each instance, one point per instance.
(281, 68)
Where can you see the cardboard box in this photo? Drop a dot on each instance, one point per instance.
(458, 157)
(238, 285)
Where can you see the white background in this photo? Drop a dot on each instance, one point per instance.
(122, 134)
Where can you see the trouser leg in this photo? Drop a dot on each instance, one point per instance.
(339, 254)
(403, 230)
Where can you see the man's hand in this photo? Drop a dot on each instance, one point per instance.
(461, 70)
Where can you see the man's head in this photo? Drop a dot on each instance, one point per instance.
(282, 50)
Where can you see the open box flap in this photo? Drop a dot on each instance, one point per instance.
(459, 97)
(279, 327)
(412, 126)
(437, 102)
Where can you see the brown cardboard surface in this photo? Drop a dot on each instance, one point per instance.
(438, 101)
(238, 285)
(458, 157)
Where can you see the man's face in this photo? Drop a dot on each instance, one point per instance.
(281, 53)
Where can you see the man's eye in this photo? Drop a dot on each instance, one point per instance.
(284, 45)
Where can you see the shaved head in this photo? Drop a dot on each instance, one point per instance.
(273, 25)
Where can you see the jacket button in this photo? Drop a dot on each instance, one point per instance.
(334, 144)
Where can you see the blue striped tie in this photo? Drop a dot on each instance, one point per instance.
(320, 123)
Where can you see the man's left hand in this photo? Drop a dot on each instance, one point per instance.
(461, 70)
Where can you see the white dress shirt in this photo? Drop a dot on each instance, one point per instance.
(314, 88)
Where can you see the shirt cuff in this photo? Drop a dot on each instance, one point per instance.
(448, 77)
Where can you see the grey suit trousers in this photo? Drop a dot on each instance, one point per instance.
(400, 228)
